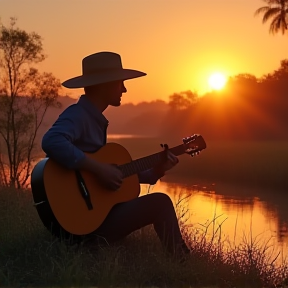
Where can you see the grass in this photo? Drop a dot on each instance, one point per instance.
(30, 257)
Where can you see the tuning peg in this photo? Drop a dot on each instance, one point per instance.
(186, 140)
(164, 146)
(196, 153)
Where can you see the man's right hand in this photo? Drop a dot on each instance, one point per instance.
(109, 175)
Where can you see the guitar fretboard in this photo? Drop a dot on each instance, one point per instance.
(145, 163)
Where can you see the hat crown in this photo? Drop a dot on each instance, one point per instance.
(101, 67)
(100, 62)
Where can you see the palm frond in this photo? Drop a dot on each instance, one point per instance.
(277, 12)
(277, 24)
(276, 2)
(272, 12)
(261, 10)
(272, 2)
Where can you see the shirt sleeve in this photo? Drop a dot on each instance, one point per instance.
(149, 176)
(58, 141)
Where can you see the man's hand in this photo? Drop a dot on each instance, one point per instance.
(171, 161)
(110, 176)
(168, 162)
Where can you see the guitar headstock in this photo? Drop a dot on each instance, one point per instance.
(194, 144)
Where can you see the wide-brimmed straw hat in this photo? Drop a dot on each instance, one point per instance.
(101, 68)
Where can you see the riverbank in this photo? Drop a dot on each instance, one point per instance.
(31, 257)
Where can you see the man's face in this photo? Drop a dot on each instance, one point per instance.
(114, 92)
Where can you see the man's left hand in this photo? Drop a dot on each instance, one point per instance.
(170, 161)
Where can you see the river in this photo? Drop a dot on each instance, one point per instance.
(252, 208)
(239, 216)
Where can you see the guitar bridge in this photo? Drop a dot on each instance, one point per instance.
(83, 189)
(38, 203)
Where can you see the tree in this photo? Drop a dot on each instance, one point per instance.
(25, 96)
(278, 76)
(182, 100)
(277, 12)
(282, 72)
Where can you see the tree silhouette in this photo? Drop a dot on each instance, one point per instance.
(277, 12)
(25, 95)
(182, 100)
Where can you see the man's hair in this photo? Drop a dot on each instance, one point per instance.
(94, 88)
(86, 89)
(98, 87)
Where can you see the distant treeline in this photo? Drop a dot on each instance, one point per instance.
(249, 108)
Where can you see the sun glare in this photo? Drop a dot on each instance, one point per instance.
(217, 81)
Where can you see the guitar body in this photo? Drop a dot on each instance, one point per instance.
(58, 198)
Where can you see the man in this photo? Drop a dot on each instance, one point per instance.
(82, 128)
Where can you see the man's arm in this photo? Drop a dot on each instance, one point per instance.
(58, 141)
(151, 176)
(58, 144)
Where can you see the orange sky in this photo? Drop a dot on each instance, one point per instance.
(178, 43)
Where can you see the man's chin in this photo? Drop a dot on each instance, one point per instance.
(116, 104)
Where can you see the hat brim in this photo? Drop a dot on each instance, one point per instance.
(99, 78)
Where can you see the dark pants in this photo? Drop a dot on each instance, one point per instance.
(156, 209)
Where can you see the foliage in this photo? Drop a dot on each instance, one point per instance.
(25, 95)
(279, 75)
(182, 100)
(277, 12)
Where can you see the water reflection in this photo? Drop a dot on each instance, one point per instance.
(240, 214)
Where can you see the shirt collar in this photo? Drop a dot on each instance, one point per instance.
(92, 110)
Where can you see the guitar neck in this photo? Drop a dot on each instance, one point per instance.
(145, 163)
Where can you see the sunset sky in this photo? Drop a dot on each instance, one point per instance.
(178, 43)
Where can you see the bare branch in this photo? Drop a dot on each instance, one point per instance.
(25, 96)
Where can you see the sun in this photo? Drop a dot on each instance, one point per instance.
(217, 81)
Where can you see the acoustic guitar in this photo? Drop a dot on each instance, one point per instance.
(76, 198)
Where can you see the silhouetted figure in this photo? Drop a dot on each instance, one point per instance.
(81, 129)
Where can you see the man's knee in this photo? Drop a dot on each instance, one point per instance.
(163, 199)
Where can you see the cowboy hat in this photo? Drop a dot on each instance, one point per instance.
(101, 68)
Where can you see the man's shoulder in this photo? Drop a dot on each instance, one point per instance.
(73, 110)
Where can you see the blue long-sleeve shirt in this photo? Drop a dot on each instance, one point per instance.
(81, 128)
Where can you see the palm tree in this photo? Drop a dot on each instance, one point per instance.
(277, 11)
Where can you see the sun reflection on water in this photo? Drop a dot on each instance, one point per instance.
(238, 219)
